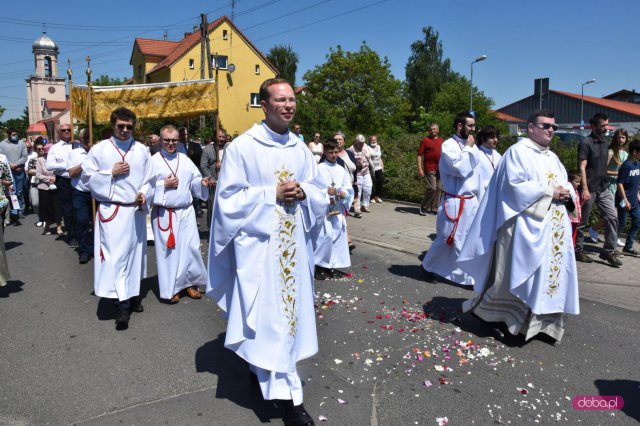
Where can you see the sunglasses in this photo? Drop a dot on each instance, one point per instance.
(125, 126)
(547, 126)
(65, 130)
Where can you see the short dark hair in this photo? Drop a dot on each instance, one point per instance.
(264, 87)
(533, 118)
(634, 145)
(488, 132)
(123, 113)
(38, 141)
(330, 144)
(573, 174)
(461, 118)
(11, 130)
(598, 118)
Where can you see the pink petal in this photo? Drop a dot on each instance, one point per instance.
(322, 418)
(342, 401)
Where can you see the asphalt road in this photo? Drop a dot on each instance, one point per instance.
(394, 350)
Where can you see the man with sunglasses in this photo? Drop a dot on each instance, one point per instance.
(16, 152)
(58, 163)
(117, 172)
(519, 249)
(592, 162)
(461, 184)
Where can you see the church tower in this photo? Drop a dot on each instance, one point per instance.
(44, 85)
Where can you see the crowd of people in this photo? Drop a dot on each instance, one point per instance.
(277, 210)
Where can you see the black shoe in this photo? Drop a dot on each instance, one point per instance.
(352, 247)
(122, 319)
(320, 273)
(583, 257)
(421, 212)
(357, 215)
(296, 415)
(72, 242)
(336, 273)
(631, 252)
(611, 258)
(84, 258)
(136, 304)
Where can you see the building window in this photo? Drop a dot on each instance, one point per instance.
(255, 99)
(219, 61)
(191, 64)
(48, 72)
(257, 69)
(225, 34)
(42, 102)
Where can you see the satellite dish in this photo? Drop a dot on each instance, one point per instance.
(232, 68)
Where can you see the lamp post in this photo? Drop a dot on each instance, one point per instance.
(593, 80)
(478, 59)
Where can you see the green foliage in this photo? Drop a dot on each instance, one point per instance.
(400, 168)
(285, 59)
(426, 70)
(359, 86)
(105, 80)
(20, 124)
(317, 115)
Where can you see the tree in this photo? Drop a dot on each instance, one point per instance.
(21, 124)
(426, 70)
(286, 61)
(453, 98)
(317, 115)
(359, 87)
(105, 80)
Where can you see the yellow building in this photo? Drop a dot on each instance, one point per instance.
(241, 69)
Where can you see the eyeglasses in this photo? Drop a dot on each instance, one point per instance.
(125, 126)
(170, 140)
(547, 126)
(65, 130)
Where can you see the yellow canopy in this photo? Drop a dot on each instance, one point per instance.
(180, 99)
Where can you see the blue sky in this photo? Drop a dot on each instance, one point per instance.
(569, 41)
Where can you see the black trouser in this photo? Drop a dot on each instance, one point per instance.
(82, 216)
(378, 181)
(65, 195)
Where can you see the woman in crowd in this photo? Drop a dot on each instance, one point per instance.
(50, 211)
(316, 147)
(348, 160)
(38, 147)
(7, 182)
(363, 160)
(617, 156)
(378, 168)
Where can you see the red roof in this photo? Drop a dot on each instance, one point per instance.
(627, 107)
(190, 40)
(56, 105)
(151, 47)
(38, 127)
(506, 117)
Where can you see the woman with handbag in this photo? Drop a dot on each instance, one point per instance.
(50, 211)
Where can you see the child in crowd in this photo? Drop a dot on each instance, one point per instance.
(575, 180)
(332, 247)
(627, 197)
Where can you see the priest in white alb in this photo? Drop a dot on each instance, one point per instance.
(117, 172)
(461, 186)
(266, 211)
(519, 249)
(332, 245)
(175, 181)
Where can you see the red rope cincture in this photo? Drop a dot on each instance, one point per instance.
(171, 241)
(103, 220)
(455, 220)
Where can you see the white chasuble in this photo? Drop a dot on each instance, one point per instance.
(260, 251)
(332, 246)
(461, 186)
(120, 251)
(173, 219)
(541, 260)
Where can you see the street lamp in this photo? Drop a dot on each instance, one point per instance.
(478, 59)
(593, 80)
